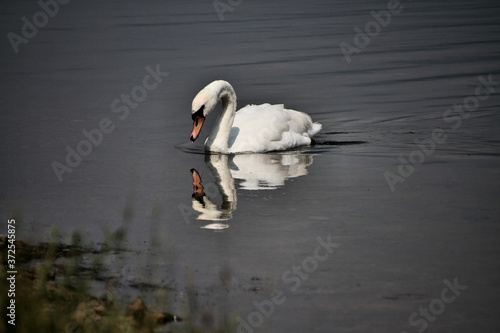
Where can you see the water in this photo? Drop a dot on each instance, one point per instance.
(401, 232)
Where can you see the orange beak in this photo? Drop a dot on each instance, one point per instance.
(197, 124)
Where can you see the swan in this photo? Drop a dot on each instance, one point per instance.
(253, 128)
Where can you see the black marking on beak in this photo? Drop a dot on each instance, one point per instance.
(198, 113)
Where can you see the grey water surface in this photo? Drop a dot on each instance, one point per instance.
(404, 178)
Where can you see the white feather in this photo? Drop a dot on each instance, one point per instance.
(253, 128)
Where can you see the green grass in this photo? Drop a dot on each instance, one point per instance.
(52, 295)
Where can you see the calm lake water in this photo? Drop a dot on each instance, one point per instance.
(404, 180)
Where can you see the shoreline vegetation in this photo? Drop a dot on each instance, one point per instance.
(53, 295)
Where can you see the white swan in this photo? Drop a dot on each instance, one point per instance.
(254, 128)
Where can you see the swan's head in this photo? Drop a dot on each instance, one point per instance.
(205, 101)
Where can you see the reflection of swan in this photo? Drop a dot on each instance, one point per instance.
(204, 204)
(256, 172)
(268, 171)
(254, 128)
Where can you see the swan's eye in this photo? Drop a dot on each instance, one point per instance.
(198, 113)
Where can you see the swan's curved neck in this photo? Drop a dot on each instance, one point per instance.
(218, 138)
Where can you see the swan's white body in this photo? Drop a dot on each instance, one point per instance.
(254, 128)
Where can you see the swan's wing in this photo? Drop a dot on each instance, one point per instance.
(265, 127)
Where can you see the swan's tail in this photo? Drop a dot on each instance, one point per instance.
(314, 129)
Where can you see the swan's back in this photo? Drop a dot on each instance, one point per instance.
(266, 127)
